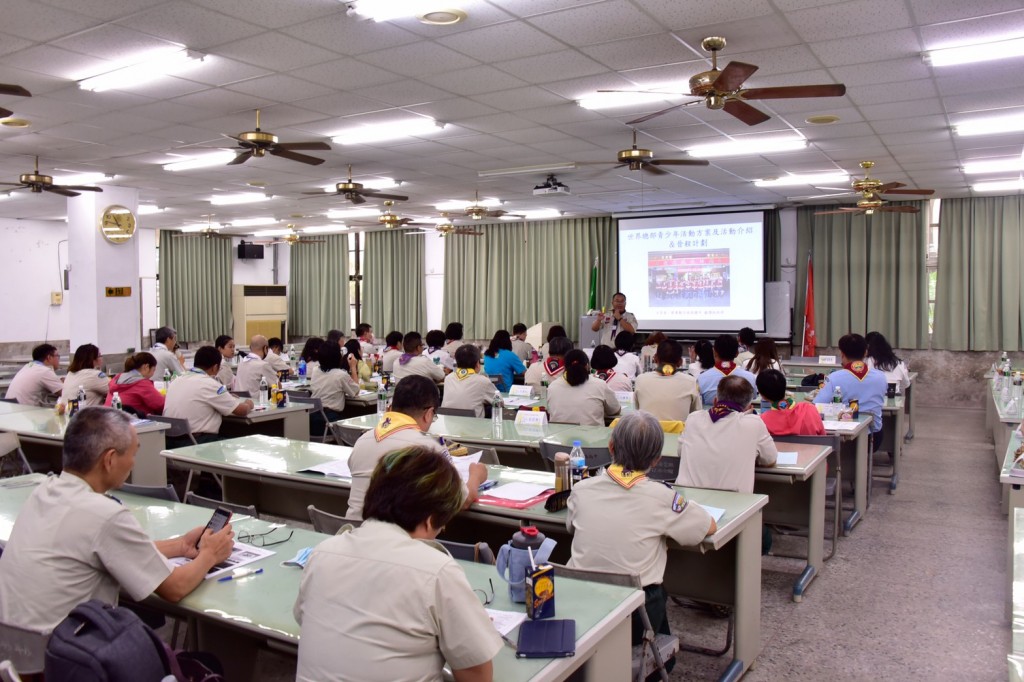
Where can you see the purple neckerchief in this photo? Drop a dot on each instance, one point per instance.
(404, 360)
(723, 408)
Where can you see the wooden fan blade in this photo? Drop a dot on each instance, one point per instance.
(733, 76)
(295, 156)
(795, 91)
(906, 191)
(14, 184)
(648, 117)
(16, 90)
(241, 157)
(495, 213)
(4, 113)
(239, 140)
(467, 231)
(308, 146)
(842, 210)
(321, 193)
(374, 194)
(80, 188)
(883, 189)
(60, 190)
(681, 162)
(650, 168)
(311, 241)
(899, 209)
(745, 112)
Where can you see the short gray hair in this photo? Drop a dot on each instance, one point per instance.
(637, 441)
(93, 431)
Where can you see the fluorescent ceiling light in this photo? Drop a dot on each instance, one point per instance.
(386, 10)
(239, 198)
(999, 186)
(387, 131)
(142, 69)
(528, 170)
(538, 214)
(990, 126)
(204, 161)
(457, 205)
(253, 222)
(747, 147)
(611, 100)
(150, 209)
(271, 233)
(81, 178)
(322, 229)
(979, 52)
(353, 213)
(994, 166)
(201, 227)
(804, 179)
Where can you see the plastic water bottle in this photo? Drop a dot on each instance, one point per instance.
(1018, 389)
(302, 370)
(497, 418)
(291, 356)
(837, 397)
(577, 462)
(544, 390)
(115, 402)
(264, 391)
(81, 396)
(382, 398)
(167, 376)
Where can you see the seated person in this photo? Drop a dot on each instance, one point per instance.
(226, 345)
(520, 347)
(413, 409)
(367, 344)
(577, 398)
(37, 382)
(276, 357)
(604, 362)
(555, 332)
(857, 381)
(746, 339)
(379, 603)
(499, 360)
(787, 415)
(453, 334)
(336, 337)
(435, 349)
(134, 386)
(338, 377)
(413, 361)
(650, 347)
(725, 349)
(621, 520)
(165, 343)
(355, 349)
(880, 356)
(765, 356)
(702, 357)
(721, 446)
(392, 352)
(626, 361)
(85, 371)
(198, 397)
(668, 393)
(71, 542)
(309, 354)
(467, 388)
(254, 367)
(543, 374)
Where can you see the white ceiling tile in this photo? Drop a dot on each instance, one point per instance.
(968, 31)
(911, 109)
(679, 15)
(276, 51)
(496, 123)
(591, 24)
(404, 93)
(552, 67)
(217, 70)
(9, 44)
(474, 80)
(889, 71)
(561, 113)
(185, 23)
(863, 95)
(520, 98)
(453, 109)
(35, 21)
(418, 59)
(350, 36)
(479, 14)
(936, 11)
(630, 54)
(857, 17)
(510, 40)
(346, 74)
(903, 125)
(275, 14)
(527, 8)
(1006, 75)
(875, 48)
(983, 101)
(222, 101)
(341, 104)
(742, 35)
(54, 61)
(280, 88)
(108, 10)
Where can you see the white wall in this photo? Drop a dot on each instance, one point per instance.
(28, 275)
(433, 268)
(252, 271)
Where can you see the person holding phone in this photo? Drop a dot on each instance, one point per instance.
(73, 542)
(614, 321)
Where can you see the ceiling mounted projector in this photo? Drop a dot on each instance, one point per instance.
(551, 186)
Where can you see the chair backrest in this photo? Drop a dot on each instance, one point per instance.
(9, 400)
(305, 399)
(666, 469)
(166, 492)
(667, 425)
(9, 443)
(235, 509)
(25, 649)
(179, 427)
(596, 456)
(325, 522)
(478, 553)
(346, 435)
(621, 579)
(456, 412)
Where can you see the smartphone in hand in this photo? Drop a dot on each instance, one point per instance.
(219, 519)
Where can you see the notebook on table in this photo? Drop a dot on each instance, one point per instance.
(547, 639)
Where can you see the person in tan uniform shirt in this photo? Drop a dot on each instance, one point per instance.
(453, 337)
(577, 398)
(254, 367)
(466, 388)
(85, 372)
(392, 352)
(413, 409)
(604, 362)
(198, 397)
(545, 372)
(413, 361)
(668, 393)
(226, 345)
(36, 382)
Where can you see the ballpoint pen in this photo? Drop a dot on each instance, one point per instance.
(240, 574)
(487, 485)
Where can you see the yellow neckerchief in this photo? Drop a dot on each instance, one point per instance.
(627, 479)
(392, 423)
(857, 368)
(463, 373)
(787, 403)
(667, 370)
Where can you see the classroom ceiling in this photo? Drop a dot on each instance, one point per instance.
(504, 81)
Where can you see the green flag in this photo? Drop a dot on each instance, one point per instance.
(592, 305)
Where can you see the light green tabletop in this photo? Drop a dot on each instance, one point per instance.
(46, 424)
(265, 454)
(1009, 416)
(474, 430)
(1017, 642)
(9, 408)
(1004, 474)
(270, 413)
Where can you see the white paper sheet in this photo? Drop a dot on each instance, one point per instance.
(337, 468)
(517, 491)
(241, 555)
(526, 391)
(716, 512)
(462, 463)
(519, 401)
(833, 425)
(505, 621)
(786, 459)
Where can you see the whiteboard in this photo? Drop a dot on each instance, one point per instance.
(777, 314)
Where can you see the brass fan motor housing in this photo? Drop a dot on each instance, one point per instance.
(867, 185)
(870, 204)
(349, 186)
(36, 179)
(635, 155)
(703, 83)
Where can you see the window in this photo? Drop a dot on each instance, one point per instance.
(355, 271)
(932, 262)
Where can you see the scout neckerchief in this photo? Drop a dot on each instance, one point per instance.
(726, 367)
(463, 373)
(667, 370)
(554, 366)
(624, 477)
(406, 357)
(786, 403)
(251, 356)
(723, 408)
(606, 375)
(857, 368)
(620, 353)
(392, 423)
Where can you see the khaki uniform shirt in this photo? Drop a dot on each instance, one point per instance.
(625, 530)
(376, 605)
(469, 393)
(225, 376)
(332, 387)
(669, 398)
(250, 369)
(165, 360)
(201, 399)
(609, 330)
(522, 349)
(421, 365)
(722, 455)
(71, 544)
(95, 383)
(537, 374)
(389, 359)
(587, 404)
(277, 362)
(452, 346)
(34, 384)
(628, 364)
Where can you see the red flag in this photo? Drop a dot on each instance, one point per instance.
(809, 338)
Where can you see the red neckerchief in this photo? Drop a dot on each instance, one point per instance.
(857, 368)
(554, 366)
(726, 367)
(606, 375)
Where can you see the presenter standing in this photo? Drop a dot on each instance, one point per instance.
(615, 321)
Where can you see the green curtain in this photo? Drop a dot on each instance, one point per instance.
(528, 272)
(978, 302)
(318, 287)
(195, 286)
(772, 246)
(870, 274)
(394, 296)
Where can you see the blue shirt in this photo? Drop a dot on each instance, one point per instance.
(709, 379)
(869, 392)
(507, 364)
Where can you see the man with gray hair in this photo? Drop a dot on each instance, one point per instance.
(622, 520)
(72, 542)
(165, 343)
(254, 366)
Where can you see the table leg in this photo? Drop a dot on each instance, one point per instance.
(612, 660)
(908, 407)
(747, 644)
(237, 651)
(860, 483)
(150, 468)
(296, 426)
(815, 535)
(897, 452)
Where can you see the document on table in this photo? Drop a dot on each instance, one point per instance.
(517, 491)
(833, 425)
(505, 621)
(462, 463)
(716, 512)
(241, 555)
(519, 401)
(337, 468)
(786, 459)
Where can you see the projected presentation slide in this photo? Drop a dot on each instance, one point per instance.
(702, 273)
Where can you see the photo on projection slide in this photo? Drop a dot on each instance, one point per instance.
(688, 278)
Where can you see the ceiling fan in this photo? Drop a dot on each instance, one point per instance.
(390, 219)
(44, 183)
(259, 143)
(722, 89)
(444, 228)
(207, 232)
(871, 191)
(14, 91)
(478, 211)
(291, 239)
(356, 193)
(643, 159)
